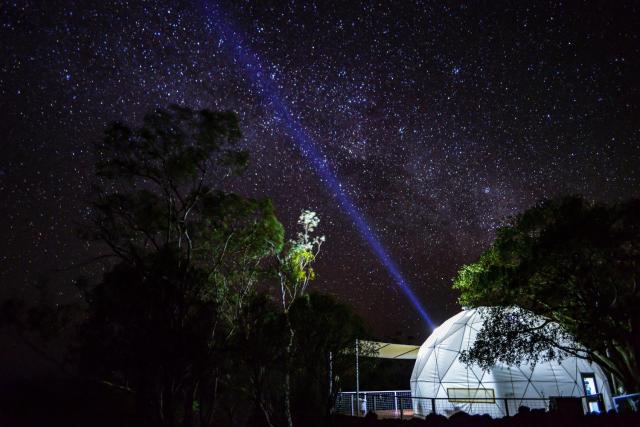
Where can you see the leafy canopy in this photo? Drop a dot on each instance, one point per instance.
(575, 265)
(189, 258)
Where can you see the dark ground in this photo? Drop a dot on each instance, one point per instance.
(63, 403)
(532, 419)
(73, 403)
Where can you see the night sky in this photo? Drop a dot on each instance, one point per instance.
(440, 120)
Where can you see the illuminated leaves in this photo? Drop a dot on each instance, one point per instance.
(571, 262)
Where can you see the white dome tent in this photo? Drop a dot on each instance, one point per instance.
(441, 381)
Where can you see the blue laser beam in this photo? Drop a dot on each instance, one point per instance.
(257, 74)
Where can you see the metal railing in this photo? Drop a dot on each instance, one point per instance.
(627, 402)
(400, 404)
(380, 402)
(496, 408)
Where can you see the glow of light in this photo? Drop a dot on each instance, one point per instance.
(262, 80)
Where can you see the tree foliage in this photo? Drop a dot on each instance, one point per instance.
(296, 272)
(203, 316)
(322, 327)
(296, 260)
(323, 354)
(189, 258)
(178, 318)
(573, 266)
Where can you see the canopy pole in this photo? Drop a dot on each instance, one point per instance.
(357, 379)
(330, 374)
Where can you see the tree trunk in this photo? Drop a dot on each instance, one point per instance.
(287, 375)
(166, 404)
(144, 410)
(265, 412)
(189, 391)
(208, 400)
(619, 362)
(331, 392)
(258, 394)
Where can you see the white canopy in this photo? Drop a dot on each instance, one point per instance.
(438, 373)
(386, 350)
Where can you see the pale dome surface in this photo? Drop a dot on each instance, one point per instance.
(438, 373)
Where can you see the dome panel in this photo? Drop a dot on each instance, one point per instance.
(438, 369)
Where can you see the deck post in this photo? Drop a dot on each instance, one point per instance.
(330, 374)
(506, 406)
(357, 378)
(351, 400)
(433, 406)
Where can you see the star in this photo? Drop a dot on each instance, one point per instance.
(439, 122)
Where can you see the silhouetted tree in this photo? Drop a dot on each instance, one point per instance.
(296, 273)
(189, 257)
(575, 265)
(323, 328)
(178, 319)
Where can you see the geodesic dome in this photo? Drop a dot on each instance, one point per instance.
(441, 381)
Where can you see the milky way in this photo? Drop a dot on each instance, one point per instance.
(439, 120)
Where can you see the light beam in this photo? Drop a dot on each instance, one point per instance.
(259, 76)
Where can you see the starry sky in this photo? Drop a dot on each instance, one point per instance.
(440, 120)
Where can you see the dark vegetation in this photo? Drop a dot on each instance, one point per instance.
(203, 314)
(574, 266)
(522, 419)
(83, 403)
(385, 374)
